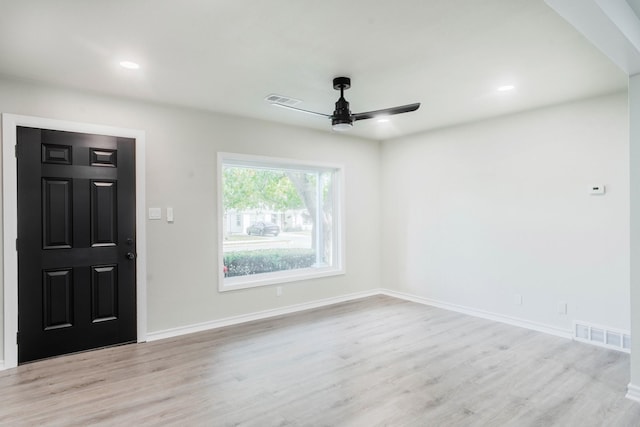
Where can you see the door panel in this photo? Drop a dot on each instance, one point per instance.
(58, 299)
(104, 293)
(76, 224)
(57, 203)
(104, 211)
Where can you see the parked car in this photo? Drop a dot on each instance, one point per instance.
(262, 228)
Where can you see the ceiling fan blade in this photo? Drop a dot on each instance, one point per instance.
(302, 111)
(386, 112)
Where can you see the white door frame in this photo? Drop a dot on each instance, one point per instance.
(10, 220)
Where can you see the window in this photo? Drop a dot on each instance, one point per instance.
(292, 214)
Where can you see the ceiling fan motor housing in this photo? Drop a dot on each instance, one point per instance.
(341, 114)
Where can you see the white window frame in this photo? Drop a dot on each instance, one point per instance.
(277, 277)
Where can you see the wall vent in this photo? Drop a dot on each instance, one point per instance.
(281, 100)
(602, 336)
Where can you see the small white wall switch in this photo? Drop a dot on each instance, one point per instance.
(279, 291)
(517, 299)
(596, 189)
(155, 213)
(169, 214)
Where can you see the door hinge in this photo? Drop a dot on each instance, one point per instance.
(15, 150)
(17, 337)
(16, 244)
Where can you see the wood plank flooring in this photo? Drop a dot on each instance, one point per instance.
(378, 361)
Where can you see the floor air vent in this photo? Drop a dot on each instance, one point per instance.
(602, 336)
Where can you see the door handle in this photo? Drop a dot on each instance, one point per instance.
(131, 255)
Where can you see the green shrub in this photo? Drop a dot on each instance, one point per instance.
(243, 263)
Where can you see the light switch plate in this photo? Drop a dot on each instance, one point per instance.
(169, 214)
(155, 213)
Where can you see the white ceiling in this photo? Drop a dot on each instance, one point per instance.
(227, 55)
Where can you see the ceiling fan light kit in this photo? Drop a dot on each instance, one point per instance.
(342, 119)
(340, 126)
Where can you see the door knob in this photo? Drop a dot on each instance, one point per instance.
(131, 255)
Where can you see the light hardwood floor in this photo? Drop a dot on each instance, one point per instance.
(378, 361)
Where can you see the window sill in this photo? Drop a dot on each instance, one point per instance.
(265, 279)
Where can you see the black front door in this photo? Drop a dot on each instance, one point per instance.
(76, 242)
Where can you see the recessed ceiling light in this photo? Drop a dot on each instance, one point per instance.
(506, 88)
(383, 120)
(130, 65)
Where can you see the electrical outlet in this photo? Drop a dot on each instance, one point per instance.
(279, 291)
(562, 308)
(517, 299)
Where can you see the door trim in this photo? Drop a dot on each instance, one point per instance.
(10, 220)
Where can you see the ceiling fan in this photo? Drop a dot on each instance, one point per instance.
(342, 118)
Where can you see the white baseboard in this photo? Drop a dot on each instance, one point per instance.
(514, 321)
(235, 320)
(228, 321)
(633, 392)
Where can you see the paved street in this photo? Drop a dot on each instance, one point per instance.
(283, 240)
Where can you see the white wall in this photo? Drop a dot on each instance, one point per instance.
(181, 148)
(478, 213)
